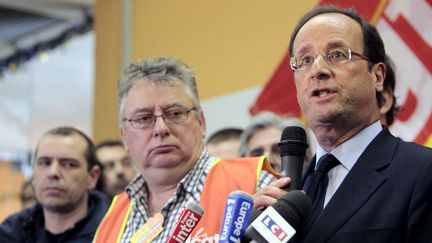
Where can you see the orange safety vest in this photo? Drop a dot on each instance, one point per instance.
(224, 177)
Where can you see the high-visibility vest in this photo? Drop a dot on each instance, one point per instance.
(224, 177)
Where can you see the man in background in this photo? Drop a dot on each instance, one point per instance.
(262, 135)
(65, 172)
(118, 169)
(27, 194)
(225, 143)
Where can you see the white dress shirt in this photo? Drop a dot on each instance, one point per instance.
(347, 154)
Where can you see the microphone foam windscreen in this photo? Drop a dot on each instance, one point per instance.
(294, 207)
(293, 141)
(197, 208)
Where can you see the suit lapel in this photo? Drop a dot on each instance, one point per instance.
(358, 186)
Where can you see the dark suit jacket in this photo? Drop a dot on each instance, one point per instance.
(386, 197)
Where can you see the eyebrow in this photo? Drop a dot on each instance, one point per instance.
(165, 107)
(303, 50)
(59, 158)
(333, 44)
(174, 105)
(141, 110)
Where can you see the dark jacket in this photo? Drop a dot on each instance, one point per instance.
(386, 197)
(28, 225)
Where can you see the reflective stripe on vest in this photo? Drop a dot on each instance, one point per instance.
(113, 224)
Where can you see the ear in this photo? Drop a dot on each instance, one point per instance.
(387, 95)
(202, 122)
(123, 137)
(94, 174)
(378, 76)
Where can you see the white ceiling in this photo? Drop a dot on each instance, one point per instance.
(33, 21)
(63, 9)
(53, 88)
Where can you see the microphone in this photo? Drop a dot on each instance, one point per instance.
(188, 219)
(238, 209)
(292, 149)
(278, 223)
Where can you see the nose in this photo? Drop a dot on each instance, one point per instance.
(118, 167)
(54, 169)
(267, 151)
(320, 69)
(160, 127)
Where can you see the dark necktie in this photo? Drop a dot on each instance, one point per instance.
(316, 186)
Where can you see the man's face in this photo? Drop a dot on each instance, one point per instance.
(166, 151)
(61, 177)
(265, 142)
(118, 168)
(345, 92)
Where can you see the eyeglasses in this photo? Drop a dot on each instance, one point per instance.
(174, 116)
(274, 149)
(332, 57)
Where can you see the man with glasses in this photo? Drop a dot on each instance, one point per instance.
(365, 185)
(262, 135)
(163, 127)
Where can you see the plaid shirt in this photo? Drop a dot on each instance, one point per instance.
(189, 188)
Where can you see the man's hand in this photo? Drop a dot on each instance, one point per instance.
(269, 194)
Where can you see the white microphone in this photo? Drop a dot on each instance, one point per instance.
(279, 222)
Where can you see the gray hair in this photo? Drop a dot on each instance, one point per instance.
(265, 120)
(66, 131)
(167, 71)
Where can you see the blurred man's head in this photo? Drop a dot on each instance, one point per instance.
(65, 169)
(118, 169)
(262, 135)
(27, 194)
(225, 143)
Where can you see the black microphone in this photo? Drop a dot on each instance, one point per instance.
(292, 149)
(278, 223)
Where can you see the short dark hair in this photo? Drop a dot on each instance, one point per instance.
(390, 83)
(224, 134)
(89, 153)
(109, 143)
(372, 42)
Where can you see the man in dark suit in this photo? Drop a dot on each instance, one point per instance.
(365, 185)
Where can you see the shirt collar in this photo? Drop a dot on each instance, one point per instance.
(196, 172)
(348, 152)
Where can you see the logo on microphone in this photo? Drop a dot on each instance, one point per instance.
(277, 230)
(186, 226)
(237, 211)
(273, 227)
